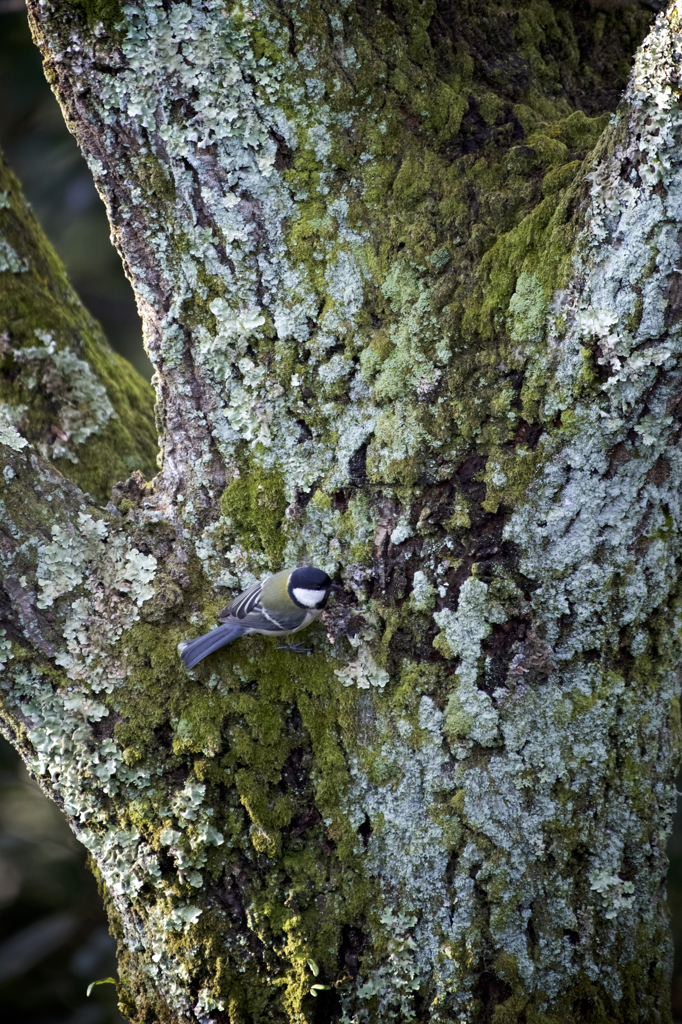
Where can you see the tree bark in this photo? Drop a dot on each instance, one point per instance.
(410, 280)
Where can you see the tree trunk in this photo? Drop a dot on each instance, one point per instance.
(410, 279)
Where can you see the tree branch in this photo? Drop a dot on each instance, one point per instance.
(76, 401)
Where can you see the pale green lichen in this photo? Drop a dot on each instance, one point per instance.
(9, 435)
(61, 563)
(84, 407)
(9, 261)
(412, 873)
(5, 649)
(470, 711)
(423, 596)
(616, 893)
(397, 980)
(362, 671)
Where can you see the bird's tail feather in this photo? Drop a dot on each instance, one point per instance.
(194, 651)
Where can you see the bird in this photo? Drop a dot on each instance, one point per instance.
(282, 604)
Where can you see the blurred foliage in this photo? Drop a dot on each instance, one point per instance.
(59, 187)
(53, 932)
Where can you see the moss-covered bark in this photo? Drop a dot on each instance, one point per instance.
(75, 400)
(410, 282)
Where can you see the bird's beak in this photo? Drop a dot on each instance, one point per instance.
(335, 586)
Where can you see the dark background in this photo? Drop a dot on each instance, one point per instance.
(53, 936)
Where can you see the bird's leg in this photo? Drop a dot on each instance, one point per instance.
(296, 648)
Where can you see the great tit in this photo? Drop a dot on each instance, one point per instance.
(284, 603)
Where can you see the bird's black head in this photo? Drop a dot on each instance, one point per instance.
(309, 587)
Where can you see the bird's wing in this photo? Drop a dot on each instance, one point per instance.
(274, 622)
(244, 603)
(247, 610)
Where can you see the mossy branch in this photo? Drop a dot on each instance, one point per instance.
(61, 386)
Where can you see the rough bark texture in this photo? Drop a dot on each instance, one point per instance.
(410, 280)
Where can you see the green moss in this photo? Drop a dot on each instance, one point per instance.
(508, 476)
(445, 168)
(109, 12)
(457, 721)
(155, 176)
(261, 768)
(412, 182)
(254, 505)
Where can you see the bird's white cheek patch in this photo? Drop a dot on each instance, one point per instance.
(308, 598)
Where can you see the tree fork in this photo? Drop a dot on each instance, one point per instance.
(409, 278)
